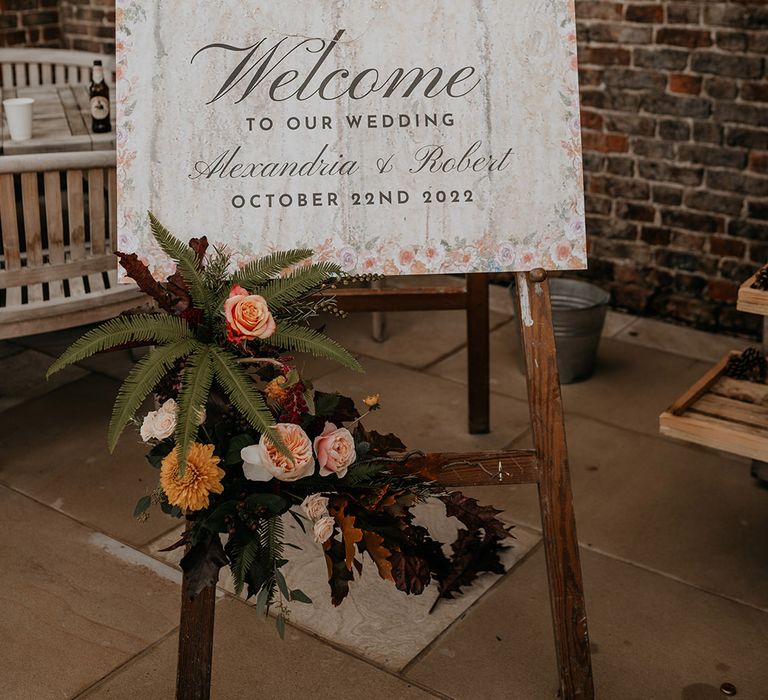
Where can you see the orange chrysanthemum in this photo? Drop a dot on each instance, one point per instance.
(201, 478)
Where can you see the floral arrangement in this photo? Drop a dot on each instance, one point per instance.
(241, 440)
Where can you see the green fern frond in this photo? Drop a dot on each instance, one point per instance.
(264, 269)
(303, 339)
(271, 540)
(279, 293)
(141, 328)
(244, 395)
(140, 382)
(185, 259)
(216, 273)
(244, 558)
(195, 387)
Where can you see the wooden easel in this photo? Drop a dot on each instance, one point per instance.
(546, 465)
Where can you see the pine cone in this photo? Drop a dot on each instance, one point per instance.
(750, 365)
(761, 281)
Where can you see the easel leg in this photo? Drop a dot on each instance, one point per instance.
(193, 677)
(566, 588)
(478, 353)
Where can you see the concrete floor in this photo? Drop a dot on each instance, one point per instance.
(673, 538)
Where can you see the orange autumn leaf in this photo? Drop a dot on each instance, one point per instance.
(349, 533)
(374, 543)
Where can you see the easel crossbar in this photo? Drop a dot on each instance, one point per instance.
(357, 299)
(479, 468)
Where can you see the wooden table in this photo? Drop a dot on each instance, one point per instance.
(61, 121)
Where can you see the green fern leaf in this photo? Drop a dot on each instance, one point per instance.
(303, 339)
(195, 387)
(140, 382)
(245, 396)
(185, 259)
(264, 269)
(279, 293)
(245, 556)
(141, 328)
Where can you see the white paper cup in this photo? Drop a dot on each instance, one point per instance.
(18, 114)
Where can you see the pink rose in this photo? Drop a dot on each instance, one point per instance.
(335, 450)
(248, 316)
(263, 461)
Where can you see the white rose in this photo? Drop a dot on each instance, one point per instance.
(315, 506)
(324, 529)
(158, 425)
(170, 406)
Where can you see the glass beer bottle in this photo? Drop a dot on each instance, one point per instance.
(100, 118)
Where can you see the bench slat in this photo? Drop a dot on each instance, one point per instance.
(30, 203)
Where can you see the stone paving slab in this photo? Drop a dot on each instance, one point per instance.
(22, 377)
(428, 413)
(54, 448)
(250, 661)
(75, 604)
(692, 513)
(652, 638)
(631, 386)
(375, 621)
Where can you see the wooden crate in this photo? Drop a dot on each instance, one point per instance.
(752, 301)
(722, 413)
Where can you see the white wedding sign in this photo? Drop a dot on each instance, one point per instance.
(391, 136)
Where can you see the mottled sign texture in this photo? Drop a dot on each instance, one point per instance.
(392, 136)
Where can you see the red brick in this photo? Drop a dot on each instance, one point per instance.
(727, 247)
(644, 13)
(758, 162)
(591, 120)
(685, 84)
(722, 290)
(690, 38)
(605, 143)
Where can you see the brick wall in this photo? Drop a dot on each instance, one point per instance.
(88, 25)
(29, 23)
(675, 126)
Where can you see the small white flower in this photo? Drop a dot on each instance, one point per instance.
(324, 529)
(315, 506)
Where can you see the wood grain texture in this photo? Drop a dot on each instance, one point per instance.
(61, 122)
(701, 386)
(566, 588)
(478, 468)
(721, 413)
(479, 353)
(61, 257)
(193, 675)
(20, 67)
(752, 301)
(400, 299)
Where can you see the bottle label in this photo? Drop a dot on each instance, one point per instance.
(99, 107)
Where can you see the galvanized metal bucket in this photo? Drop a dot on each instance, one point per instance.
(578, 315)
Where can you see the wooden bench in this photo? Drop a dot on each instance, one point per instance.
(58, 223)
(30, 67)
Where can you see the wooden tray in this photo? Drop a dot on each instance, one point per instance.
(752, 301)
(722, 413)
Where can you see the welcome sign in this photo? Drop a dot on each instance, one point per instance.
(390, 136)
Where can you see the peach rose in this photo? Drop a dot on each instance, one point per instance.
(263, 461)
(248, 316)
(335, 450)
